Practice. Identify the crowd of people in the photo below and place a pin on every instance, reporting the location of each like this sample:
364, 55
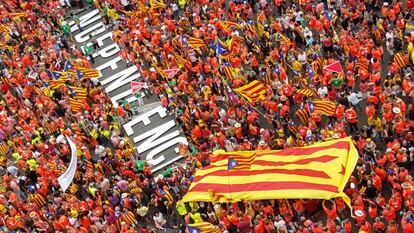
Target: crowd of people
114, 189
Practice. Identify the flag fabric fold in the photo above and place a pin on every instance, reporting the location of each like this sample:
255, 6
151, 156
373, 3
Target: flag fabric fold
320, 171
309, 92
254, 91
156, 4
303, 116
228, 24
195, 42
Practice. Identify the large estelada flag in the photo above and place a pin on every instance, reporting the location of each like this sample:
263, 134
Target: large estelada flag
254, 91
320, 171
202, 227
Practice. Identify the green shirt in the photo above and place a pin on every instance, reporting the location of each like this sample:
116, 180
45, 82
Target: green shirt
66, 28
138, 94
76, 19
140, 165
168, 172
87, 50
336, 82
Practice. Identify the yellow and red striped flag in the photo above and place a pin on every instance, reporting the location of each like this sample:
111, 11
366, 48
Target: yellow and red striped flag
4, 149
4, 28
157, 4
254, 91
251, 28
320, 171
87, 72
362, 63
75, 104
195, 42
309, 92
323, 106
303, 116
399, 59
203, 227
79, 92
181, 61
283, 38
228, 72
17, 14
228, 24
218, 198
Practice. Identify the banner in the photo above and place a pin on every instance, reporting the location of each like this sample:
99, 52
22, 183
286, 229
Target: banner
320, 171
66, 178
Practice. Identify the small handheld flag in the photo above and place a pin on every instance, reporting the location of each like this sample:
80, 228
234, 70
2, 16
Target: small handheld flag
193, 229
79, 74
68, 66
334, 67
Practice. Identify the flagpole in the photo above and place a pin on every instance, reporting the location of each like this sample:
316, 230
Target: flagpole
225, 83
217, 51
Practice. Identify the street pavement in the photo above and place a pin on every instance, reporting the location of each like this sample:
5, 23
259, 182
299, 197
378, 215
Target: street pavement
155, 134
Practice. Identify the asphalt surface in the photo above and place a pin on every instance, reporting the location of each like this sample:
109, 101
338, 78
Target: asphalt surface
162, 138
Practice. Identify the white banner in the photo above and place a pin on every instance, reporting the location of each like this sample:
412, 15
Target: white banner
66, 178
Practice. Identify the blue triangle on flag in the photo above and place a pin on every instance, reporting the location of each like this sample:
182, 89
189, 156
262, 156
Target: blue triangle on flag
232, 163
79, 74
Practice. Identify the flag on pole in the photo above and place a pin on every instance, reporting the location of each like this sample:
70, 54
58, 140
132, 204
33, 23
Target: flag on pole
195, 42
79, 74
228, 71
170, 73
228, 24
202, 227
320, 171
181, 62
328, 15
75, 104
220, 48
87, 72
399, 59
251, 27
183, 40
253, 92
58, 75
156, 4
309, 92
4, 28
137, 86
303, 116
235, 40
78, 92
323, 106
68, 66
361, 63
282, 38
334, 67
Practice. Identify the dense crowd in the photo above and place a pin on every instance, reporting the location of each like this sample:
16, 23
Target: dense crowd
114, 189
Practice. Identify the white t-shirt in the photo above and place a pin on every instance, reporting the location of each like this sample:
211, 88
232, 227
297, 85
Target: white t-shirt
323, 91
280, 225
302, 58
